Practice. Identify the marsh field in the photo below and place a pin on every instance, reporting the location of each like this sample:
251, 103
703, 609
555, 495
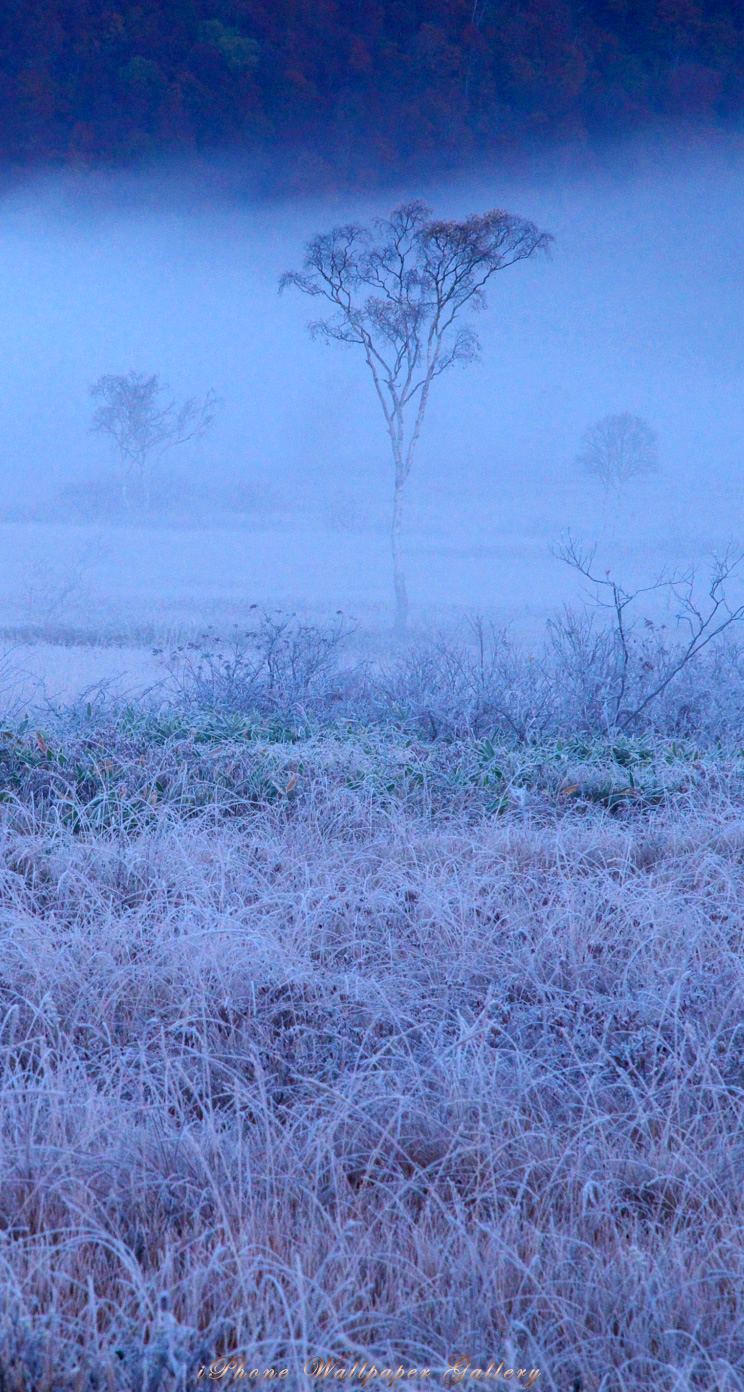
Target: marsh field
371, 1003
372, 995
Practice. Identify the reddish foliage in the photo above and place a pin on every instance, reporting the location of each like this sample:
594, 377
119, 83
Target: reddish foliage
354, 83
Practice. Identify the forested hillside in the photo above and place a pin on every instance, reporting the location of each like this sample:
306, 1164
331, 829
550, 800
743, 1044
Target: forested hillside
355, 84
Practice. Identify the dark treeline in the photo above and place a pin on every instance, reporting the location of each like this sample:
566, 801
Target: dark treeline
358, 85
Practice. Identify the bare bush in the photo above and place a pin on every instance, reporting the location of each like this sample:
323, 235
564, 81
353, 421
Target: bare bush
619, 448
279, 664
607, 666
634, 674
602, 669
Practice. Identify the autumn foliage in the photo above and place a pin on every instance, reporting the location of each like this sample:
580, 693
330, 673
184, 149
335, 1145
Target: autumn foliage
355, 85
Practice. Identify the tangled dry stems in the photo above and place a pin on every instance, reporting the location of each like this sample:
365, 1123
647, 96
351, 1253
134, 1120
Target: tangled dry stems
594, 675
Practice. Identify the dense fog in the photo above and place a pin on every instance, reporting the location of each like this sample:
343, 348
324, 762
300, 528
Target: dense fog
286, 500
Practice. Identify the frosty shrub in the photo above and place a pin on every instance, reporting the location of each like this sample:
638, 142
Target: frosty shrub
278, 665
601, 669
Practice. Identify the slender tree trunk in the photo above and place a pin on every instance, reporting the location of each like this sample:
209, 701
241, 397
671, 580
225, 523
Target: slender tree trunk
399, 579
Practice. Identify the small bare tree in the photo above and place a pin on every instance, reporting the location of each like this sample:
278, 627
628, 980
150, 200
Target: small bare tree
144, 422
54, 589
398, 290
619, 448
637, 672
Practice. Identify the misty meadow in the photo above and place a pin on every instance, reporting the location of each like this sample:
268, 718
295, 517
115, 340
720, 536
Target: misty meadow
372, 696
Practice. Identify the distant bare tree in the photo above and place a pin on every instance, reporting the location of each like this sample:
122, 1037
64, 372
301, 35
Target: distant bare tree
397, 290
619, 448
144, 421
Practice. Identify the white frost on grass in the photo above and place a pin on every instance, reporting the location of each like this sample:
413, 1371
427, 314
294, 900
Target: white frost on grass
340, 1070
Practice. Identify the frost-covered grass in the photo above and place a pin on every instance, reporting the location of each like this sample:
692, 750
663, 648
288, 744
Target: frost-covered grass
331, 1037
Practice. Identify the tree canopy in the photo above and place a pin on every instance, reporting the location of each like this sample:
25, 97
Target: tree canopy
354, 86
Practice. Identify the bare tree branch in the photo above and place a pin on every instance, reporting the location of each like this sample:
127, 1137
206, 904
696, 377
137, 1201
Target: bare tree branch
631, 690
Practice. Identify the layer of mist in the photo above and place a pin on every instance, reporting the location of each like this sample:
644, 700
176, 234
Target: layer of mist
286, 499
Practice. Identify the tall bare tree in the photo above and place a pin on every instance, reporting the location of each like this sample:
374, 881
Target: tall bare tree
398, 289
143, 421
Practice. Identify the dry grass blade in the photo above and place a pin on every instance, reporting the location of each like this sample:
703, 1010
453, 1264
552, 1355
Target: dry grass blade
340, 1041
